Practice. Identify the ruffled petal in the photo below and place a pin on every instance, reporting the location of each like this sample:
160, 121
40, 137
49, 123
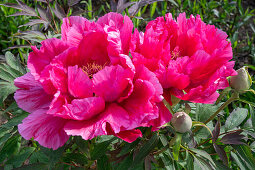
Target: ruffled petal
47, 130
73, 28
111, 82
123, 24
85, 109
79, 84
31, 96
114, 117
39, 59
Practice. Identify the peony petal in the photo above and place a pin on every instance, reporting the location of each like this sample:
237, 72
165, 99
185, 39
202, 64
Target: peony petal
39, 59
58, 77
79, 84
46, 129
73, 28
111, 82
31, 96
144, 74
129, 135
91, 50
85, 109
123, 24
115, 116
164, 117
139, 106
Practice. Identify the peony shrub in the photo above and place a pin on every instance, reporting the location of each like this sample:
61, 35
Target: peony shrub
85, 84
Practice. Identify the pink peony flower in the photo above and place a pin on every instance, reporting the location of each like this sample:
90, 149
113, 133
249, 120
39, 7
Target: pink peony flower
85, 84
190, 58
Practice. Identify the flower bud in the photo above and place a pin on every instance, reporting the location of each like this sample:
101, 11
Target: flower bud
241, 81
181, 122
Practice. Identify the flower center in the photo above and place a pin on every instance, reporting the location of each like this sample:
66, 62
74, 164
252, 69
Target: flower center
175, 53
92, 68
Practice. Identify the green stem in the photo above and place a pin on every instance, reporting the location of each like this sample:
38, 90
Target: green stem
230, 100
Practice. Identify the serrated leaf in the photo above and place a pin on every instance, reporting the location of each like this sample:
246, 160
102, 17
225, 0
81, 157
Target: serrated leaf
38, 156
53, 155
10, 148
21, 157
100, 149
236, 118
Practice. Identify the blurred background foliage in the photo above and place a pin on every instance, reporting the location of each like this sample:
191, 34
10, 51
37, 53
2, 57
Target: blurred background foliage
28, 22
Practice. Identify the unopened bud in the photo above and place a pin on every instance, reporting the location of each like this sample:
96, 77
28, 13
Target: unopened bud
181, 122
241, 81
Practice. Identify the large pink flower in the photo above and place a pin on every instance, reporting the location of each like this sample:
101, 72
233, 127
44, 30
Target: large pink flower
85, 84
190, 58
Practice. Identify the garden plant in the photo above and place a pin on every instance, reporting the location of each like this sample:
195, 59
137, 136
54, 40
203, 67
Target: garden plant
118, 84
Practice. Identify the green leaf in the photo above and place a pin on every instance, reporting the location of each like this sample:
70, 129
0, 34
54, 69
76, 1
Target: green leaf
203, 154
38, 156
5, 75
37, 166
245, 152
204, 111
10, 148
239, 161
75, 157
145, 150
153, 9
125, 164
100, 149
5, 138
252, 113
21, 157
103, 163
128, 147
15, 120
6, 88
82, 144
167, 161
53, 155
236, 118
177, 144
